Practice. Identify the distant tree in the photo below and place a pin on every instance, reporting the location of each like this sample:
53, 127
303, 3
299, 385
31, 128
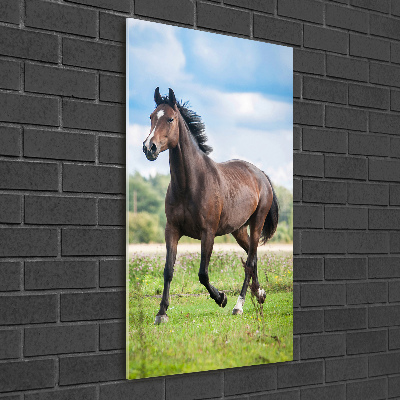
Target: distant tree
144, 228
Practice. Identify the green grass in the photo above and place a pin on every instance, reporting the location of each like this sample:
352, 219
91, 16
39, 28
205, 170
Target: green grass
200, 335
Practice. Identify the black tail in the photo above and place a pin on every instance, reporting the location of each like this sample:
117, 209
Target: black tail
271, 222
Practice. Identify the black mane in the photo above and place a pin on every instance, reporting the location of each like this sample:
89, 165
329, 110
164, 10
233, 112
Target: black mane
194, 123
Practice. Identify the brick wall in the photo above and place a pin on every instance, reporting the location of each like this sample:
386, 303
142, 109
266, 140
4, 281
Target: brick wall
62, 183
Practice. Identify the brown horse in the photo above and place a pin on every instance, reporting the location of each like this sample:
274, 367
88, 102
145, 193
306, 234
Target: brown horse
207, 199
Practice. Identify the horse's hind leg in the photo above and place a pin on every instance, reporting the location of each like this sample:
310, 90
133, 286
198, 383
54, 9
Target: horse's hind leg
207, 242
172, 237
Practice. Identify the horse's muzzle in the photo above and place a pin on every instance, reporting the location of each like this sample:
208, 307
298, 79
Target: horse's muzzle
152, 153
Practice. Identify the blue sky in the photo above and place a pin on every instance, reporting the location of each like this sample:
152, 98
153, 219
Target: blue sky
242, 89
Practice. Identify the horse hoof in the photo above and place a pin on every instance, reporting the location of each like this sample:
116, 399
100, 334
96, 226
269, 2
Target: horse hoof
161, 319
224, 300
237, 311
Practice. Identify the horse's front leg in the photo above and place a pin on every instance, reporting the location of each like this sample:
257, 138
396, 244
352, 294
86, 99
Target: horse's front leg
207, 242
172, 237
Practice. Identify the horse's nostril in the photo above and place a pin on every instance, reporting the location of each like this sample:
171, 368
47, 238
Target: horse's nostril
153, 148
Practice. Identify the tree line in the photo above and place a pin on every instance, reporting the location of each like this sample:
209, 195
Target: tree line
147, 218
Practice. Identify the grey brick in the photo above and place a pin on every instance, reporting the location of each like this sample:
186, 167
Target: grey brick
305, 216
346, 167
28, 309
308, 164
27, 44
326, 294
385, 74
395, 100
395, 195
90, 178
10, 273
60, 210
297, 189
60, 18
60, 81
112, 212
371, 389
10, 344
117, 5
384, 170
384, 218
59, 145
340, 369
10, 209
92, 306
112, 336
9, 74
321, 242
395, 147
308, 61
368, 193
394, 291
337, 392
395, 7
384, 123
296, 295
346, 18
346, 118
331, 141
338, 319
394, 52
144, 389
112, 88
324, 90
366, 342
27, 375
394, 338
112, 273
296, 241
280, 395
53, 274
308, 321
26, 109
367, 292
367, 242
10, 141
96, 368
100, 117
347, 68
324, 191
297, 86
87, 54
9, 11
308, 10
345, 268
85, 393
383, 364
385, 315
369, 96
27, 242
384, 267
112, 150
277, 30
369, 145
346, 218
307, 113
296, 138
395, 242
325, 39
393, 386
60, 340
308, 269
384, 26
90, 242
377, 5
299, 374
170, 10
267, 6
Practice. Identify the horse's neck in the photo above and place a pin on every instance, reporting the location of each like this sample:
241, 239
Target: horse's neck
185, 161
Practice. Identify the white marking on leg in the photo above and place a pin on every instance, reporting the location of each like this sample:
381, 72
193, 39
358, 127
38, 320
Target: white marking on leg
238, 309
160, 114
261, 292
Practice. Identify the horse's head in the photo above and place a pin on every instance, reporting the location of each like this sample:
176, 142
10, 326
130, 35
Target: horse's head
164, 132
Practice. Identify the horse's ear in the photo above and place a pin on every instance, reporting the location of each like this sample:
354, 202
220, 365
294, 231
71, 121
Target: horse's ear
171, 97
157, 97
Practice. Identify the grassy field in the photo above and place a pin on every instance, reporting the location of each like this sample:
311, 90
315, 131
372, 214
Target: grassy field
200, 335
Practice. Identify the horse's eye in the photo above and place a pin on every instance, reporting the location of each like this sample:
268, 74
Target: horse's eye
170, 120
